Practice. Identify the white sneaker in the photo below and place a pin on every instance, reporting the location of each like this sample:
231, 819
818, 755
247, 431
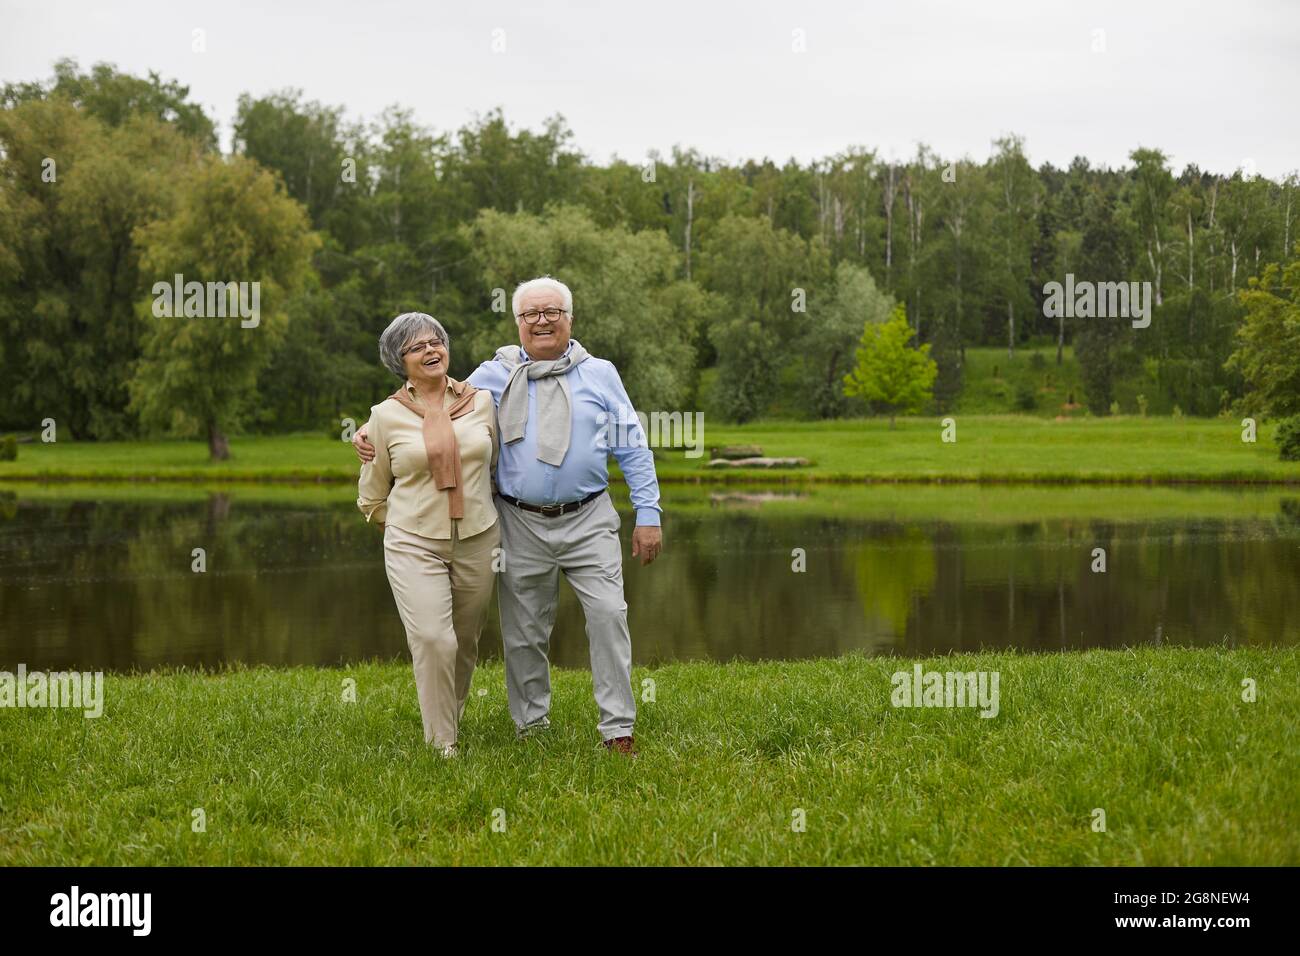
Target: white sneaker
448, 750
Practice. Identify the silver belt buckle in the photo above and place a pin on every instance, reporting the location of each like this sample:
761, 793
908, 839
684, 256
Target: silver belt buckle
552, 511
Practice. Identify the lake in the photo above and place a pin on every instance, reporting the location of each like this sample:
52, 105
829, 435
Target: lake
100, 576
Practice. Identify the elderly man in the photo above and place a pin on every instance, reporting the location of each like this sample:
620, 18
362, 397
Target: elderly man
558, 406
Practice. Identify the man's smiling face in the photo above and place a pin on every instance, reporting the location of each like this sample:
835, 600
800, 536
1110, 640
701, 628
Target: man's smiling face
548, 338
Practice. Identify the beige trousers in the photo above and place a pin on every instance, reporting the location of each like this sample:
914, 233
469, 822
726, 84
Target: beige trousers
442, 587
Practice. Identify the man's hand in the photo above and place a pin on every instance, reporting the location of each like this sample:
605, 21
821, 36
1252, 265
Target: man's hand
647, 541
361, 442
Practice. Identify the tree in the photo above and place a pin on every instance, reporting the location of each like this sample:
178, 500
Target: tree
69, 270
1017, 192
921, 183
326, 367
961, 254
835, 326
849, 208
1247, 225
721, 253
114, 98
962, 204
489, 167
1100, 339
1268, 352
1068, 252
758, 271
1152, 187
232, 223
888, 371
304, 142
627, 306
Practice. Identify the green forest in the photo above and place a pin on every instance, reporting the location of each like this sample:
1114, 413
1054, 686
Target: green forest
739, 289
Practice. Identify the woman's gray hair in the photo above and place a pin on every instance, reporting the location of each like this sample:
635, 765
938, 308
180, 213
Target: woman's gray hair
401, 332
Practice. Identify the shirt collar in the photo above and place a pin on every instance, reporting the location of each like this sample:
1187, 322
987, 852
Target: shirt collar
528, 358
457, 389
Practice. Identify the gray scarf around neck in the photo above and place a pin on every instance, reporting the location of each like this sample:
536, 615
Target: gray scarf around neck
554, 401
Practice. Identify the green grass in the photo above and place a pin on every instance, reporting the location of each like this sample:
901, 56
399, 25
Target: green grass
253, 457
288, 773
988, 448
992, 383
1002, 448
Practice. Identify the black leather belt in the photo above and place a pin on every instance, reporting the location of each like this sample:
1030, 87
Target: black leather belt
552, 511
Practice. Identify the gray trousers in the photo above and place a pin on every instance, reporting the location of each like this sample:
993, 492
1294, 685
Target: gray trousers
585, 546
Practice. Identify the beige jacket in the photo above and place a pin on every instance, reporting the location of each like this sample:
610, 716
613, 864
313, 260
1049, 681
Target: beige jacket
396, 488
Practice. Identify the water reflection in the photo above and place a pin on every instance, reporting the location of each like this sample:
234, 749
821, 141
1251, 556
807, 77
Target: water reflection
102, 578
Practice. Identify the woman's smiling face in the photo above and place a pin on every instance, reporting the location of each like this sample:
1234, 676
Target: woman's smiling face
425, 359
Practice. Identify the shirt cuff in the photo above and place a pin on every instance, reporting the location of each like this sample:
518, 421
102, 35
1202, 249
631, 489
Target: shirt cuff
647, 516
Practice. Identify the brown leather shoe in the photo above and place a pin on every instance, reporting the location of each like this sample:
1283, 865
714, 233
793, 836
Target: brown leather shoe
623, 745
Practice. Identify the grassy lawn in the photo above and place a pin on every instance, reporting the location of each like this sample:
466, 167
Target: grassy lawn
992, 384
288, 773
284, 457
988, 447
1005, 447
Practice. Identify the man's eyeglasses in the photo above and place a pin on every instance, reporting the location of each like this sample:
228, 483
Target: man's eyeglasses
423, 346
533, 315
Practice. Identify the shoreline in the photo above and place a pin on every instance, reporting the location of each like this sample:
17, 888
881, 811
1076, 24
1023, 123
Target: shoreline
987, 450
758, 478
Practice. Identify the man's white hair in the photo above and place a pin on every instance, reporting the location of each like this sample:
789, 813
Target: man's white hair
543, 282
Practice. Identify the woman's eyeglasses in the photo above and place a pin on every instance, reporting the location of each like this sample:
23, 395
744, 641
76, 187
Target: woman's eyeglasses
421, 347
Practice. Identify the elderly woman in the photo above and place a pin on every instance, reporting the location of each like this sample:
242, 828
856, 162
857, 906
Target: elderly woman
430, 489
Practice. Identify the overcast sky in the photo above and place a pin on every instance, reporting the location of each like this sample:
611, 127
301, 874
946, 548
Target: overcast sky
1213, 83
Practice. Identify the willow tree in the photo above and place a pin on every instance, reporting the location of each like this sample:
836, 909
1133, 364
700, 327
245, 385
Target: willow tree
232, 224
74, 193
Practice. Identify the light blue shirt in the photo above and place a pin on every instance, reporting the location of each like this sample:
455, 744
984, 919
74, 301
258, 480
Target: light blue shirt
604, 423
